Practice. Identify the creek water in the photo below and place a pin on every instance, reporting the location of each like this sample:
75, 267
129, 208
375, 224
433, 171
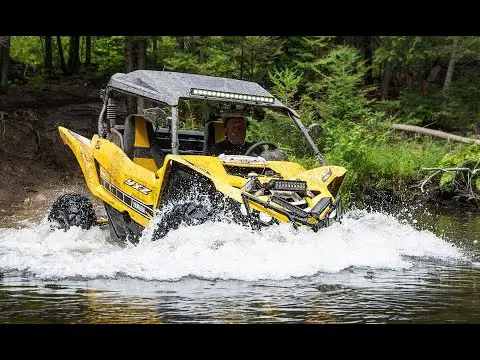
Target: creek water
416, 267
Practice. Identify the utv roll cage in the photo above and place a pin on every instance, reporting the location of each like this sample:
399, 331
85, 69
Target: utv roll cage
168, 88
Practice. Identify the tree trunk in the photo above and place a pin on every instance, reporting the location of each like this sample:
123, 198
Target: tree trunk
154, 49
437, 133
242, 60
451, 65
252, 64
365, 45
142, 54
433, 74
77, 64
71, 46
130, 65
141, 65
73, 54
181, 43
4, 61
367, 49
48, 56
61, 56
43, 47
386, 77
129, 54
88, 50
81, 48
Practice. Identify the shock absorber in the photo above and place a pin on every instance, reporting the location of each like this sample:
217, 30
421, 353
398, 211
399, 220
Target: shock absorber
111, 115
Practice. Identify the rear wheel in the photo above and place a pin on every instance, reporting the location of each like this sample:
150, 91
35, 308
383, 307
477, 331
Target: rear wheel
72, 210
190, 213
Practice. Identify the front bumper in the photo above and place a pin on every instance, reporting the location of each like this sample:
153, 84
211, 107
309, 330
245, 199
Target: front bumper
294, 214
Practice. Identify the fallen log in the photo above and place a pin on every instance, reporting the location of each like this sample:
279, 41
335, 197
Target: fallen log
437, 133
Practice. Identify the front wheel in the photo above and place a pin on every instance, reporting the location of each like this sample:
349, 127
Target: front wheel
189, 213
72, 210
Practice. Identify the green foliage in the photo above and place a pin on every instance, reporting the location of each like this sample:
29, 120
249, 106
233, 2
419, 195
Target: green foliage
192, 115
463, 156
201, 55
324, 82
354, 135
397, 165
109, 53
37, 81
347, 144
382, 163
418, 109
350, 123
285, 85
454, 113
257, 56
308, 56
27, 50
467, 49
463, 102
247, 57
404, 50
446, 181
338, 92
423, 102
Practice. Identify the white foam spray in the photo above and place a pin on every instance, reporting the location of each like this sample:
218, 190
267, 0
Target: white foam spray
223, 250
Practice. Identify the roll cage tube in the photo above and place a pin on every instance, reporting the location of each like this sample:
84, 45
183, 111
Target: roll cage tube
101, 123
174, 122
296, 119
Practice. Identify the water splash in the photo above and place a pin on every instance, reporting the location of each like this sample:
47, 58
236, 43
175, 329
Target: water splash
223, 250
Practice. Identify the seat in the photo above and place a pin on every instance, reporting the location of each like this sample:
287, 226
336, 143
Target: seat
214, 132
139, 144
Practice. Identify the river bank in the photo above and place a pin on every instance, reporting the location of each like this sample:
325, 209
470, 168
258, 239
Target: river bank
35, 165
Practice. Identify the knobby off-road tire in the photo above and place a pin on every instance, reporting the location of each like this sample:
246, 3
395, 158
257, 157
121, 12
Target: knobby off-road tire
190, 213
72, 210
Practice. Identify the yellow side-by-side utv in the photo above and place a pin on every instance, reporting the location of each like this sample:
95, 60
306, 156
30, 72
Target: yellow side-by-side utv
144, 161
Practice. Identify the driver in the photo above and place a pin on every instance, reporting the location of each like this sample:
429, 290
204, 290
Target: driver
234, 143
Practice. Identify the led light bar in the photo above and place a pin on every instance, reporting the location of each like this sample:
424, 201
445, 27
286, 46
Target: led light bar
289, 185
233, 96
